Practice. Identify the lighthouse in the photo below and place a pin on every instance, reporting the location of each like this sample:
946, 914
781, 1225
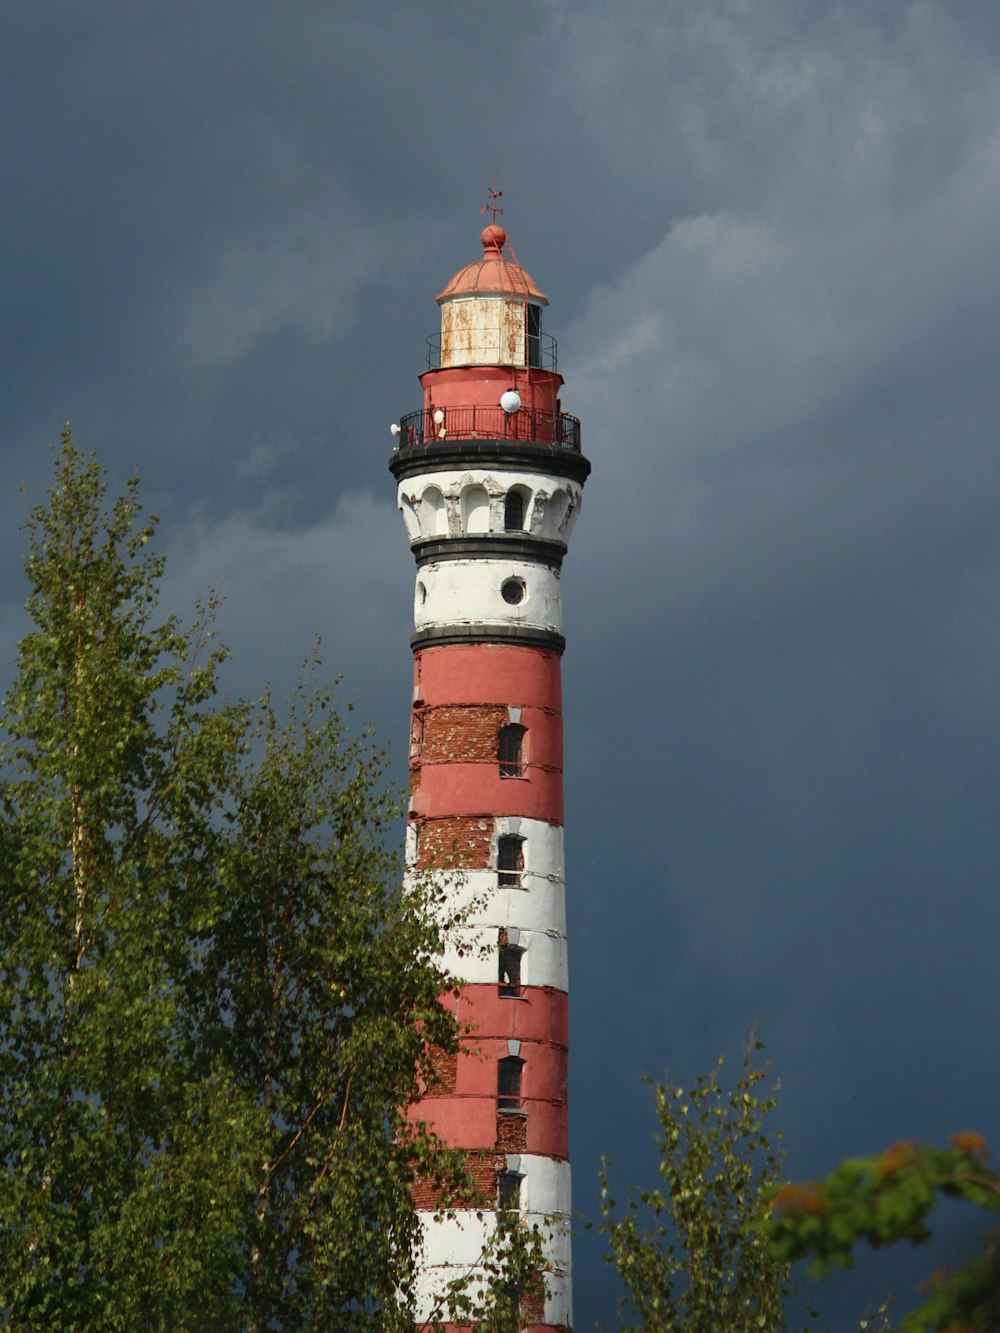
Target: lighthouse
490, 476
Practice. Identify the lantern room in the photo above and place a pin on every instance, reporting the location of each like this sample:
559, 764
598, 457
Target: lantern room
491, 312
491, 369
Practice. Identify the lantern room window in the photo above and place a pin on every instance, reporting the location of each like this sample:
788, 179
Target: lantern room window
534, 335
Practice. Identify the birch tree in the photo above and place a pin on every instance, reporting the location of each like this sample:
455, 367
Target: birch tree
216, 997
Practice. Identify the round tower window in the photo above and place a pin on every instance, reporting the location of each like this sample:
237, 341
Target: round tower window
512, 591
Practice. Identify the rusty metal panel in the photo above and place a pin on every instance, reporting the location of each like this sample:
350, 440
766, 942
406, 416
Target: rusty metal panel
483, 331
513, 333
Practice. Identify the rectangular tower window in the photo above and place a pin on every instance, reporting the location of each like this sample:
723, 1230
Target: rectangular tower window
510, 862
509, 1084
509, 976
510, 750
508, 1191
416, 732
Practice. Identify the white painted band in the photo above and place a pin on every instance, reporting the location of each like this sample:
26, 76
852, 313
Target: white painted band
542, 849
463, 591
471, 957
454, 1245
539, 906
432, 1281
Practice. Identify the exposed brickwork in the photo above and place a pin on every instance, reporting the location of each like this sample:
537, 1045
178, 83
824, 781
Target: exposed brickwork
483, 1169
512, 1133
533, 1298
462, 733
462, 842
444, 1065
425, 1194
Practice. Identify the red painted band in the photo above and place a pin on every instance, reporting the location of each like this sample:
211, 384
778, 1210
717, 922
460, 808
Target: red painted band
471, 1123
477, 789
484, 673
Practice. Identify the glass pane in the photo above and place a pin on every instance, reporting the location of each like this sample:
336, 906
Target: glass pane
510, 751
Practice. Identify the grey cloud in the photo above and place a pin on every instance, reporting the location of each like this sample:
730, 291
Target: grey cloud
789, 554
342, 578
308, 281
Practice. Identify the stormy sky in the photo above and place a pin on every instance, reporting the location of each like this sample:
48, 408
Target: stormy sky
769, 231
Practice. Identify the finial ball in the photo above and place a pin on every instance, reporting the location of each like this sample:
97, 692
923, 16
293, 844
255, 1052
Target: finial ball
494, 237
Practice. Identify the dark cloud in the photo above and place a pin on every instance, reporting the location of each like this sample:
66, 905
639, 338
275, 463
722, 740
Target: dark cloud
768, 234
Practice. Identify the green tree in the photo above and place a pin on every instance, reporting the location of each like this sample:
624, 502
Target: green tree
692, 1252
217, 997
889, 1198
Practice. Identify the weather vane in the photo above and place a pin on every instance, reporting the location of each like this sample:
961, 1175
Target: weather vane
493, 194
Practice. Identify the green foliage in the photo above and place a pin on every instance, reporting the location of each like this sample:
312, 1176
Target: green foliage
888, 1198
692, 1253
217, 998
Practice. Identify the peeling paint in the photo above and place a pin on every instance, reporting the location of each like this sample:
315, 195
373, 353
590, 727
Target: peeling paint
483, 331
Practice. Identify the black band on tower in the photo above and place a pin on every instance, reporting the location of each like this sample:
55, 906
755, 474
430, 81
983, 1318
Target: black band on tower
522, 456
527, 636
491, 546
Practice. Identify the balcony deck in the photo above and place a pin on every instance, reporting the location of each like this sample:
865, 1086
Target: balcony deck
527, 425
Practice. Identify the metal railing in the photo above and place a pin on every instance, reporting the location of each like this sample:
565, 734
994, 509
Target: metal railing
491, 348
489, 423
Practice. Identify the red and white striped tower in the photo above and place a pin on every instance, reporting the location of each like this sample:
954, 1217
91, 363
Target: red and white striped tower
490, 476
